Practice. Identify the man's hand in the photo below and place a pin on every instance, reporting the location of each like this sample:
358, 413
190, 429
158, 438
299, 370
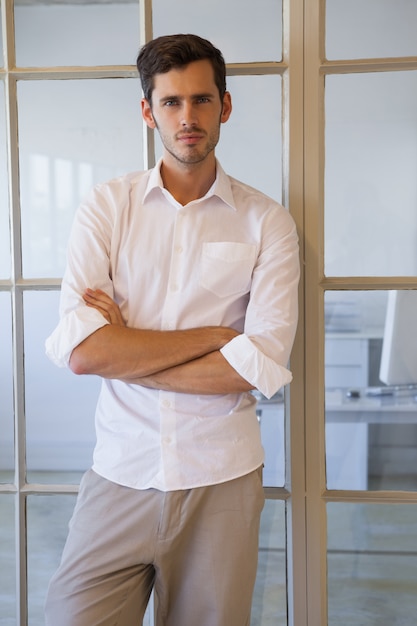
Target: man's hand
98, 299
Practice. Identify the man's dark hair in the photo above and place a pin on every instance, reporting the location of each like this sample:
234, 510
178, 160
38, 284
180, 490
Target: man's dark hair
165, 53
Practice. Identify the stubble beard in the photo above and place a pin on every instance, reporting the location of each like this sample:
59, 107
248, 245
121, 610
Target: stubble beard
190, 155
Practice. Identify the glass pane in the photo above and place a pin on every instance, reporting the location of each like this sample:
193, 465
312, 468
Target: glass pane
381, 28
271, 420
270, 597
7, 561
60, 407
244, 152
215, 21
47, 524
4, 197
370, 175
106, 33
6, 391
72, 135
371, 424
372, 565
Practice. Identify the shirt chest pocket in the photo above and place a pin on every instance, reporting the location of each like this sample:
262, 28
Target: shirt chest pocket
226, 267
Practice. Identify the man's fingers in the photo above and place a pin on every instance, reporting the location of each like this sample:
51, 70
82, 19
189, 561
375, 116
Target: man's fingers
98, 299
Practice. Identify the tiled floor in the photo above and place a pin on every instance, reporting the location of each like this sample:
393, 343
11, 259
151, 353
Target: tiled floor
372, 564
372, 561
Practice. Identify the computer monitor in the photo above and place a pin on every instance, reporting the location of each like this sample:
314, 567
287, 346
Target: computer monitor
399, 347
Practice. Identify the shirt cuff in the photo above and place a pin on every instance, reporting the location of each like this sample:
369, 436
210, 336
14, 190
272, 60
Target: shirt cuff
254, 366
72, 329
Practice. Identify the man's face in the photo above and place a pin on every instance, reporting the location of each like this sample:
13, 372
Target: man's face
187, 111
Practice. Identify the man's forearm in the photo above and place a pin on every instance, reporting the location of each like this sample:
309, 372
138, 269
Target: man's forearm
115, 351
210, 374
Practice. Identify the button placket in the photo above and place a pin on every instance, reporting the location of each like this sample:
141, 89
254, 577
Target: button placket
170, 310
168, 435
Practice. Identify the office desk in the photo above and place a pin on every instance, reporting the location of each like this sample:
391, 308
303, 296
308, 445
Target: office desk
347, 424
400, 408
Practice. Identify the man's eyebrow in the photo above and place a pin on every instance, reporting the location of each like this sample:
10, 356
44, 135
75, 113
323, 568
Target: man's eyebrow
167, 98
207, 94
194, 96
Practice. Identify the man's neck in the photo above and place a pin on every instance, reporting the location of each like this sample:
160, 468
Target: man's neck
188, 182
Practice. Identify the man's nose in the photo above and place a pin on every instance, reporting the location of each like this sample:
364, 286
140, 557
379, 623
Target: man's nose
189, 114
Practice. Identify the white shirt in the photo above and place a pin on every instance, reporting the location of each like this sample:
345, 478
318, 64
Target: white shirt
229, 259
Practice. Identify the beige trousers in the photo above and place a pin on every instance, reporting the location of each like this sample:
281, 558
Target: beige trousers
197, 548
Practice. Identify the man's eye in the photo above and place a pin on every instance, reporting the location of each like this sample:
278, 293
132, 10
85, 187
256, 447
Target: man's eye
203, 100
170, 103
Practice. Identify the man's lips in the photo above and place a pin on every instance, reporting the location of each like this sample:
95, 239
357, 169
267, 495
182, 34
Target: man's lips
190, 138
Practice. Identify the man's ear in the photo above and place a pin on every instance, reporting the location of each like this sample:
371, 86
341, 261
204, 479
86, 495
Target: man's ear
227, 107
147, 113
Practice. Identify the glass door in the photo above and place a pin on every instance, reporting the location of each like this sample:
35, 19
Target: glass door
361, 198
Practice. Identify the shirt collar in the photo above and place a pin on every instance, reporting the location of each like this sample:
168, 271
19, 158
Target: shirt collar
221, 187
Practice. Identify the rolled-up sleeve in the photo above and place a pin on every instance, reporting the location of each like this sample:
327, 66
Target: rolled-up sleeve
88, 265
72, 329
261, 354
255, 366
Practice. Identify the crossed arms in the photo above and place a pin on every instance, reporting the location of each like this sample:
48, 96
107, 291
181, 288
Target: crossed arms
185, 361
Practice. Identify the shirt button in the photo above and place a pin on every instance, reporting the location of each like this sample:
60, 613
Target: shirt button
166, 404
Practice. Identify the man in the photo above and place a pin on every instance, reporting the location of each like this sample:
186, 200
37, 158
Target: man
181, 293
